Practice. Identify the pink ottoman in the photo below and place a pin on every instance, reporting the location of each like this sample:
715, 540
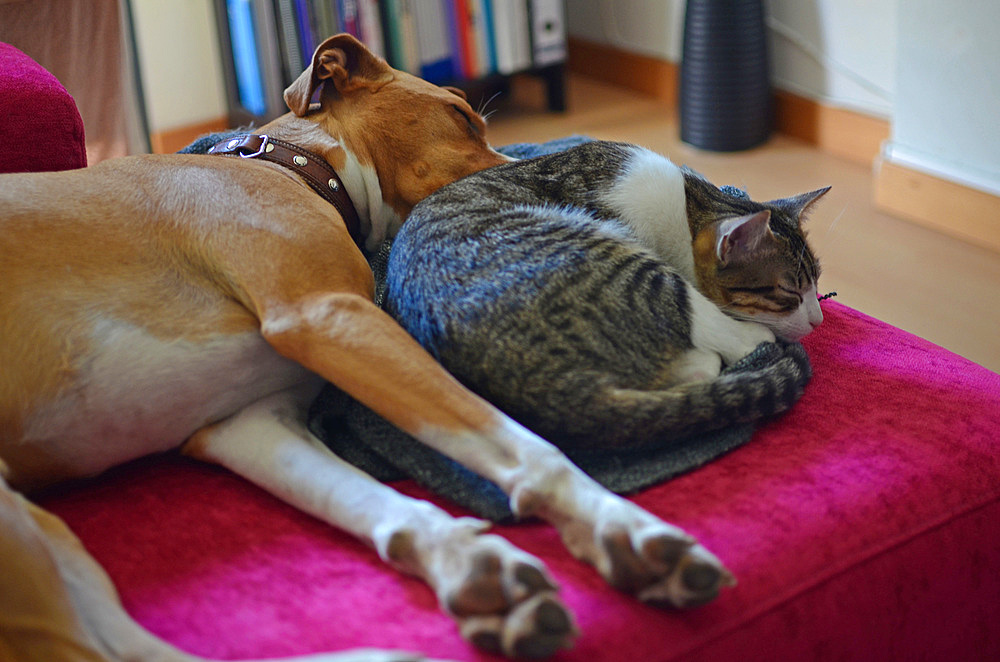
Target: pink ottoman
863, 525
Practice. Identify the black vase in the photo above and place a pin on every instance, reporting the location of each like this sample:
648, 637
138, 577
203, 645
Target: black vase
725, 87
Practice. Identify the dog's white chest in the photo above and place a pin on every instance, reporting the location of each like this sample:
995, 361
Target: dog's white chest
137, 394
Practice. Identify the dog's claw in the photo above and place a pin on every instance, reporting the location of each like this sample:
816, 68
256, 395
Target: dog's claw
535, 628
503, 599
698, 577
646, 557
370, 655
689, 577
495, 579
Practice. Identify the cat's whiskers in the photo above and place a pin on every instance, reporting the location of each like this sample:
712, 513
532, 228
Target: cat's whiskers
800, 266
829, 229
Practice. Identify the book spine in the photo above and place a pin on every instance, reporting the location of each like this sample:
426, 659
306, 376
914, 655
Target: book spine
502, 43
347, 11
371, 26
521, 30
288, 39
435, 45
410, 31
269, 56
246, 62
393, 34
465, 38
483, 25
325, 14
307, 30
548, 32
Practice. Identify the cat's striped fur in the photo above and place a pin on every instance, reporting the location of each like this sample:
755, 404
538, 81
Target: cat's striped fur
582, 293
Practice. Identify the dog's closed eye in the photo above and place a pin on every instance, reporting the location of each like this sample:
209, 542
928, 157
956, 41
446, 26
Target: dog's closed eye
474, 127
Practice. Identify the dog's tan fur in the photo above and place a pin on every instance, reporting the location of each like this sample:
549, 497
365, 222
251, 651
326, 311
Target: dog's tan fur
197, 302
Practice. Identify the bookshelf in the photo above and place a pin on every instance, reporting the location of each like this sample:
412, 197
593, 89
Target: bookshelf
476, 45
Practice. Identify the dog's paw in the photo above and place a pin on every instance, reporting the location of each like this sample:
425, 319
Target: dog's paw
535, 628
659, 563
503, 598
365, 655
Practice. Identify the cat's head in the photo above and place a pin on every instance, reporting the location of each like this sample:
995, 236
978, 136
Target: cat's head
752, 258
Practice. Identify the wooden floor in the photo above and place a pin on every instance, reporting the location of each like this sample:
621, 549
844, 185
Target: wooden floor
936, 287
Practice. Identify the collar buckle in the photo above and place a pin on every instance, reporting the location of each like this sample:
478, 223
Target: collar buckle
264, 140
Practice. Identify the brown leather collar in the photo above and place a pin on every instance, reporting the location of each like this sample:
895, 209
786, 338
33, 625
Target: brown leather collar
319, 174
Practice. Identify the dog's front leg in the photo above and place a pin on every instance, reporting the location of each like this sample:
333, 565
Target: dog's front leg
632, 549
502, 598
352, 343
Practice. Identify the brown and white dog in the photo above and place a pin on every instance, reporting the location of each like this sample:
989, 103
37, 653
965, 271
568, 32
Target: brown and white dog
197, 302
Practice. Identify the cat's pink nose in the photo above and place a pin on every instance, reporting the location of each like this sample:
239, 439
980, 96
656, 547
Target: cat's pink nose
815, 317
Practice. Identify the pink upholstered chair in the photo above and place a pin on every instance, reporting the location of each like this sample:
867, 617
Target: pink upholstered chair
40, 126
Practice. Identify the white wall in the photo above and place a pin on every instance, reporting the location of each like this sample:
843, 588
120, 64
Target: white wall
179, 62
946, 120
840, 52
648, 27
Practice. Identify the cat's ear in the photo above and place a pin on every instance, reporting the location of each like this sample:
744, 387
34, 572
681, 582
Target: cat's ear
741, 238
796, 205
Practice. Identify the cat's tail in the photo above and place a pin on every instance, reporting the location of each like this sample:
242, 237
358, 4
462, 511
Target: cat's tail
766, 382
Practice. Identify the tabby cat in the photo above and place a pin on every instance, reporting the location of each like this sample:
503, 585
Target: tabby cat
583, 293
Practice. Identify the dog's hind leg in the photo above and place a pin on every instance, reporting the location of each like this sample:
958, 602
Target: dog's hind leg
502, 597
58, 605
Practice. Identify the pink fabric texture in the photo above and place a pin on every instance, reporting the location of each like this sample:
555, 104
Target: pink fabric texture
41, 127
862, 525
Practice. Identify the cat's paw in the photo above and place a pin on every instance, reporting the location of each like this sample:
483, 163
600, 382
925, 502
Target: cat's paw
695, 365
747, 336
713, 330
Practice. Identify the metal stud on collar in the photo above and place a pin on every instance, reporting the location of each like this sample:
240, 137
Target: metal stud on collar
333, 185
300, 160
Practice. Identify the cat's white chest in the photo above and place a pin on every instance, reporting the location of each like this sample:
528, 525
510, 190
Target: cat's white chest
649, 196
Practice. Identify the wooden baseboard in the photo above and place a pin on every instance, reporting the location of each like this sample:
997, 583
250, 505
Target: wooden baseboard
648, 75
846, 133
167, 142
945, 206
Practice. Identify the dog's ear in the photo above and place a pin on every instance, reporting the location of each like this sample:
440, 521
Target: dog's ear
343, 60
